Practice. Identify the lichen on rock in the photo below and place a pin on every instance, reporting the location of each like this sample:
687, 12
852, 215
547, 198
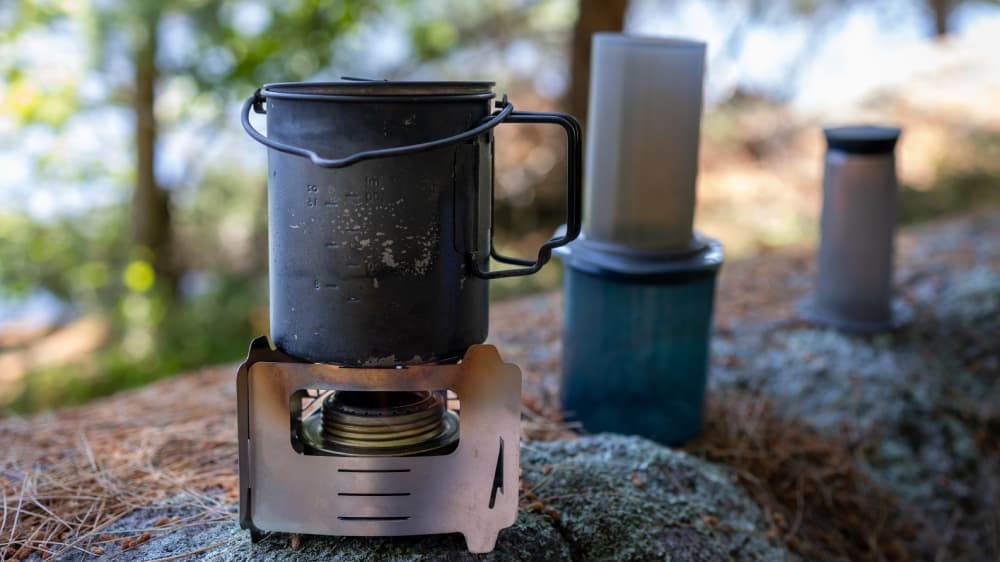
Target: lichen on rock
611, 497
627, 498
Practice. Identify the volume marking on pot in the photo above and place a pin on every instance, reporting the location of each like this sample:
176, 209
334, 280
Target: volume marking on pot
317, 284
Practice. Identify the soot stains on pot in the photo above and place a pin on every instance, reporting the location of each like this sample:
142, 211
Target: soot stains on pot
382, 236
391, 360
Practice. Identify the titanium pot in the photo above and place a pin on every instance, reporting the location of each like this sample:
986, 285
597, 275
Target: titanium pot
380, 198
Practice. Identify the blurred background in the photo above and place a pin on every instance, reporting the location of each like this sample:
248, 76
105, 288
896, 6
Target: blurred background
132, 223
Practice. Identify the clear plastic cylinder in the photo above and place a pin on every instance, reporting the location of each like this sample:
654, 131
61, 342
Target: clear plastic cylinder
642, 141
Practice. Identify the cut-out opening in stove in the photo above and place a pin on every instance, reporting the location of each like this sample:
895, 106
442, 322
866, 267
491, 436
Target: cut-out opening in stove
354, 423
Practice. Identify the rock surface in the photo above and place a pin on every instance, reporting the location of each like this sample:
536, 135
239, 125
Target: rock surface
917, 412
610, 497
922, 401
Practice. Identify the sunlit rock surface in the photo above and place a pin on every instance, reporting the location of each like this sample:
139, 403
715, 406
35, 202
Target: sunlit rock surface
609, 497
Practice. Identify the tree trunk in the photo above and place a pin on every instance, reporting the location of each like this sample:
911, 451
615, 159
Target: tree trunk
151, 225
941, 9
595, 16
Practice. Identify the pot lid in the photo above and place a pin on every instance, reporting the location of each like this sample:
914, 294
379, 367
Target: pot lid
365, 87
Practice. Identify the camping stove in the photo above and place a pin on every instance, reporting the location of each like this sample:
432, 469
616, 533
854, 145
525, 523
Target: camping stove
331, 450
378, 410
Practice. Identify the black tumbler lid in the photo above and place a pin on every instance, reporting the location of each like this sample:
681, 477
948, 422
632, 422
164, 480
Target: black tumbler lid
865, 139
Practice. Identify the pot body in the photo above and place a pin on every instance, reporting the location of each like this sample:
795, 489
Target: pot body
368, 261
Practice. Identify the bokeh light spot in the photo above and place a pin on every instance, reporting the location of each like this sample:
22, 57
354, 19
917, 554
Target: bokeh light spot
139, 276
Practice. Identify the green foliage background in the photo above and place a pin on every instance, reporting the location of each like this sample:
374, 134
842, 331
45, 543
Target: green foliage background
201, 304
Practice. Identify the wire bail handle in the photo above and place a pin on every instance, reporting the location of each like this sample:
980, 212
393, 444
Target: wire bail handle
256, 102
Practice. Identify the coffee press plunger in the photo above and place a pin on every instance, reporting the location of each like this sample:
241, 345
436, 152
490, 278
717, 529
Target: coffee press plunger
640, 282
380, 199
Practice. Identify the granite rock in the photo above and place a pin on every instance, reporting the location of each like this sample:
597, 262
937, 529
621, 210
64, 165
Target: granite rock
610, 497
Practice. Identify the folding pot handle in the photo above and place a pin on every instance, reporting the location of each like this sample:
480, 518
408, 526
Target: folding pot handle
574, 189
256, 102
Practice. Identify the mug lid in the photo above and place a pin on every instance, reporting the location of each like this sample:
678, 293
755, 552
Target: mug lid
863, 139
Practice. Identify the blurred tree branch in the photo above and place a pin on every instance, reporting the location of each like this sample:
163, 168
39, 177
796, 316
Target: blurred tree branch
151, 224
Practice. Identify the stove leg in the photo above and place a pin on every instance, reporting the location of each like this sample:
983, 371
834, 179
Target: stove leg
481, 542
